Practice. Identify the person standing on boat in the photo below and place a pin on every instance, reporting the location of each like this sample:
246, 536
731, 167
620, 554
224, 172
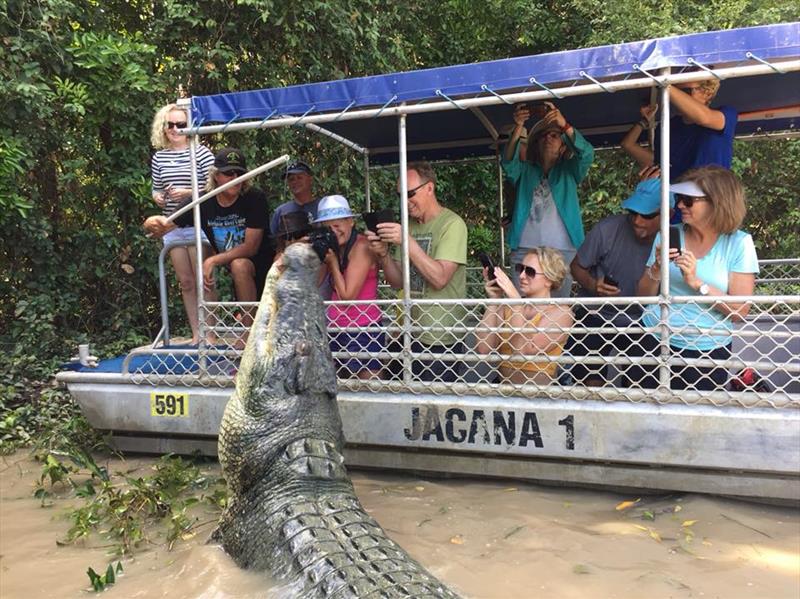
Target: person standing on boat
546, 211
610, 263
715, 258
234, 221
541, 271
354, 275
171, 171
437, 250
699, 135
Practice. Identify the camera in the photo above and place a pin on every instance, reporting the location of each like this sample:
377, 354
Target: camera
323, 239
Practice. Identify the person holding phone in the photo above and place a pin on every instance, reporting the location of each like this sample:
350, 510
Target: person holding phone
555, 161
715, 259
610, 263
541, 271
354, 275
171, 170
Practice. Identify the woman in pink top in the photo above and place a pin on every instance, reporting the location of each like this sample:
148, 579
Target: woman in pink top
354, 277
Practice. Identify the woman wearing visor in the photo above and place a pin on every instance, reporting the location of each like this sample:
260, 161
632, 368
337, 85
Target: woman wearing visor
714, 258
541, 271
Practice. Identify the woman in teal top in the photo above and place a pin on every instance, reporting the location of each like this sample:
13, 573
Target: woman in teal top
715, 259
546, 175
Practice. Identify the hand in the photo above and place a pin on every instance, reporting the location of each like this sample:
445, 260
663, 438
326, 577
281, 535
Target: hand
649, 172
160, 199
331, 260
605, 289
687, 262
390, 233
505, 283
554, 115
209, 264
649, 112
158, 225
521, 114
656, 267
180, 193
376, 246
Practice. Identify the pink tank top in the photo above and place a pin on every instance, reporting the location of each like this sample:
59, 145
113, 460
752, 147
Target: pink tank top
362, 314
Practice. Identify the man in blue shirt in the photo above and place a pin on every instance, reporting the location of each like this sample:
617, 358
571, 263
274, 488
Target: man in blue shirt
699, 135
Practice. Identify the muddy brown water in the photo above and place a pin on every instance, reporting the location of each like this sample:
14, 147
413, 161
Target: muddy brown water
485, 539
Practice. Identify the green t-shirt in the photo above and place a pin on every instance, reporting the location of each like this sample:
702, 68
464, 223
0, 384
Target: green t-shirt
443, 238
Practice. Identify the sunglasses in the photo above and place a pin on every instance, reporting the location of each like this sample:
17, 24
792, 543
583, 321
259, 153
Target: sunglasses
529, 271
650, 216
413, 192
178, 125
689, 201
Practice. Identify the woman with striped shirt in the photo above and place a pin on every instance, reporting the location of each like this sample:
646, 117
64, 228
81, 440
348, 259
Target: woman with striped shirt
172, 188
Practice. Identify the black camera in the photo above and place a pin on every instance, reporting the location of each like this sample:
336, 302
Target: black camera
323, 239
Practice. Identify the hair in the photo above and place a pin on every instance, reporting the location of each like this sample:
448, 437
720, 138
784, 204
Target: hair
211, 183
553, 265
158, 136
534, 156
710, 87
424, 170
725, 193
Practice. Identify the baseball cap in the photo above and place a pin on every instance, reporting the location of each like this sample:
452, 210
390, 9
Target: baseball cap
298, 166
646, 198
230, 161
687, 188
293, 225
333, 207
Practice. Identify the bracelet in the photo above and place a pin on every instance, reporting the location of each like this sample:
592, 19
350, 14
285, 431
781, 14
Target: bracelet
650, 274
566, 128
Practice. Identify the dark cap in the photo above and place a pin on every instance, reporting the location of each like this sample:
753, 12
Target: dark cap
298, 166
230, 161
293, 225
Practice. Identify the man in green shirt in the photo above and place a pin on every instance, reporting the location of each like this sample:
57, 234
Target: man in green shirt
437, 249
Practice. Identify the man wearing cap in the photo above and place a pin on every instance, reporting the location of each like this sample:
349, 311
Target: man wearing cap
610, 263
299, 179
234, 222
438, 253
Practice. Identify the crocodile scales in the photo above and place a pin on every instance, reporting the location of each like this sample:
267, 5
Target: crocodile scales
292, 510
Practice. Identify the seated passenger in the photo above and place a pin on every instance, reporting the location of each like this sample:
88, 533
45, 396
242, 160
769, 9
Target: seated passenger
541, 271
610, 263
699, 135
234, 221
354, 274
546, 210
715, 258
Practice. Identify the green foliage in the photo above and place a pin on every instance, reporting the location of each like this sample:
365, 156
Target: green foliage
98, 582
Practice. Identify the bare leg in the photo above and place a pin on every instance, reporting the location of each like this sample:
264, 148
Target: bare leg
184, 263
243, 273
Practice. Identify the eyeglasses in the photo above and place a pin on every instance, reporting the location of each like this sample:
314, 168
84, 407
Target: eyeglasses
650, 216
413, 192
529, 271
178, 125
689, 201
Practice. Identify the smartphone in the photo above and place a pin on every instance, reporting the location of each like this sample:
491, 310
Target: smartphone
487, 262
609, 280
675, 239
539, 110
373, 219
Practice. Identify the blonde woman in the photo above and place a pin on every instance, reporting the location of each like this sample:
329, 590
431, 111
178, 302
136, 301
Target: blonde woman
541, 271
172, 187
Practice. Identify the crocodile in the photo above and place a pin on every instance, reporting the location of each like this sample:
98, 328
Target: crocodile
292, 511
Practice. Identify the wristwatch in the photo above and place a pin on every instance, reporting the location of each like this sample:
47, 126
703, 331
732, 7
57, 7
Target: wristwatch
703, 289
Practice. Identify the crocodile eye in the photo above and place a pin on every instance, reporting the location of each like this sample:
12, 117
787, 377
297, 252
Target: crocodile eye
302, 348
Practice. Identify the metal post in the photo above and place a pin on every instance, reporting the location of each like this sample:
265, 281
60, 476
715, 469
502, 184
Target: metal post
367, 196
162, 289
501, 198
664, 369
401, 134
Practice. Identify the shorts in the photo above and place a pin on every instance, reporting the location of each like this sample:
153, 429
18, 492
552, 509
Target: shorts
182, 236
358, 342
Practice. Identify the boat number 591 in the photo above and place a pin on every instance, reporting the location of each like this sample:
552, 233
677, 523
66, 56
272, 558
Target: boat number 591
169, 404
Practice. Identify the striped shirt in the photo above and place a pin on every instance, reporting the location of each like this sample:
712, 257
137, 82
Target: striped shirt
174, 167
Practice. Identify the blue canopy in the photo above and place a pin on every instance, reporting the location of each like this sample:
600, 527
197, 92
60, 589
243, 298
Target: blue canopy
601, 117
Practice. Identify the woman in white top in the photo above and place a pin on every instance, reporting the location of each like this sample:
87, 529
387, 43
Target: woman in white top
172, 188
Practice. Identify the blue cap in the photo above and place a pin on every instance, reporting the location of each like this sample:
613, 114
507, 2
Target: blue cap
646, 198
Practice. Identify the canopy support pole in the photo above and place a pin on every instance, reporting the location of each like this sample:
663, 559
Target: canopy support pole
401, 136
664, 295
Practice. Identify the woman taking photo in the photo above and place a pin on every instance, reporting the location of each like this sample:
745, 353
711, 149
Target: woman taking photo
541, 271
354, 277
715, 258
546, 211
171, 170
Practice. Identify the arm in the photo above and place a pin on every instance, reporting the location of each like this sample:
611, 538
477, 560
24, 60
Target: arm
588, 282
488, 341
696, 112
158, 186
532, 343
521, 114
246, 249
739, 283
630, 143
583, 153
158, 225
349, 285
